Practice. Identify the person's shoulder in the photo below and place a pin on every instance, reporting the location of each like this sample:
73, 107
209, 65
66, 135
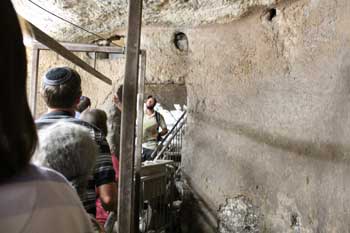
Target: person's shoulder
57, 197
42, 121
86, 124
48, 119
160, 116
96, 132
54, 186
46, 174
157, 115
48, 182
36, 197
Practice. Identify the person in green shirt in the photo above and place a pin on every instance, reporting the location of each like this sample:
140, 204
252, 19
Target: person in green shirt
152, 121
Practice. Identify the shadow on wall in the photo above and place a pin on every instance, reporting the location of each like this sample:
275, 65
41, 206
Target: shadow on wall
197, 215
321, 151
317, 150
203, 216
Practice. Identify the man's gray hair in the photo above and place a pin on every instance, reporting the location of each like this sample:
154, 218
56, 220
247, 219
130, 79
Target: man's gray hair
69, 149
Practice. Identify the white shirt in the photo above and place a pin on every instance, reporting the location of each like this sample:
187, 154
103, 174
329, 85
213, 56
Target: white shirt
41, 200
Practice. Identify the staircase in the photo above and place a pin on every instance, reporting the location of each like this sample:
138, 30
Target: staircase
171, 145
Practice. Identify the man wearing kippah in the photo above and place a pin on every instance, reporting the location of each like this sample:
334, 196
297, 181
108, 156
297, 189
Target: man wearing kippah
61, 90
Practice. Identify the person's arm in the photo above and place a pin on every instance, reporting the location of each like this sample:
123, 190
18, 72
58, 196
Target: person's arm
163, 132
104, 177
163, 126
117, 102
109, 196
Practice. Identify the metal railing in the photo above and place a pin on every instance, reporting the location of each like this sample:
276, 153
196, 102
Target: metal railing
157, 183
156, 197
171, 145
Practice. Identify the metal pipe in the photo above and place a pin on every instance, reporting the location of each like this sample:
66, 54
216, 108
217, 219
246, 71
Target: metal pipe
169, 141
168, 134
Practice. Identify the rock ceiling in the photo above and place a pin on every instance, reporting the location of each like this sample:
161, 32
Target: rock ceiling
105, 17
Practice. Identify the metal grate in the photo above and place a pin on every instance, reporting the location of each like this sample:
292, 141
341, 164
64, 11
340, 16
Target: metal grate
157, 189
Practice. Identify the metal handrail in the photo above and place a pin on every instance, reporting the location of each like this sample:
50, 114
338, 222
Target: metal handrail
169, 141
167, 135
171, 131
172, 134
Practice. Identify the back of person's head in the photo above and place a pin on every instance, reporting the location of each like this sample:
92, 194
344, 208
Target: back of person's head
17, 131
61, 87
83, 104
69, 149
96, 117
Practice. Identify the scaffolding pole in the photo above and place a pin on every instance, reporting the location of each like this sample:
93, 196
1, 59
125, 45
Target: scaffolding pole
126, 221
34, 80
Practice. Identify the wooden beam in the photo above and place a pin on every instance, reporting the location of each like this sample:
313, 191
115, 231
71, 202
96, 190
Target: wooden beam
58, 48
77, 47
34, 80
126, 223
140, 104
139, 132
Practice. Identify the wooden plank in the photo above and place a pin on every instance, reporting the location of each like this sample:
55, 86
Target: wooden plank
34, 80
140, 110
126, 223
77, 47
139, 132
58, 48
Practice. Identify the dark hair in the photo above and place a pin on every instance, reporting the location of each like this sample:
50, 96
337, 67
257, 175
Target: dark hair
120, 93
83, 104
62, 95
96, 117
151, 96
17, 130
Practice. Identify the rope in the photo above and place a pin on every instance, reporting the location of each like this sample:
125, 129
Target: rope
71, 23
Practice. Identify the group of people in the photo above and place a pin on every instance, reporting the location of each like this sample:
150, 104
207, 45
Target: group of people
68, 133
57, 174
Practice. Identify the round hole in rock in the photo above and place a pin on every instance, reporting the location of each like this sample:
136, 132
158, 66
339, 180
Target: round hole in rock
270, 14
294, 219
181, 41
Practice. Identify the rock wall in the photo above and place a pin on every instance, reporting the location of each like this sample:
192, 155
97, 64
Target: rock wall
269, 119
